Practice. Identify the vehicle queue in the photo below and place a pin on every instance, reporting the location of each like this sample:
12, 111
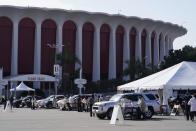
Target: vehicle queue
133, 105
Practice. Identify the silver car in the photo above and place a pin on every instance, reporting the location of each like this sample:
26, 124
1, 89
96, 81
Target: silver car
105, 108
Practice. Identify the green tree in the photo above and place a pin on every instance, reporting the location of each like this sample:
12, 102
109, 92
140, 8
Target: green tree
65, 60
136, 68
187, 53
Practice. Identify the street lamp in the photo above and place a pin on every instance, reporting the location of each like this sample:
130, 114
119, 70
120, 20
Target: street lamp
55, 46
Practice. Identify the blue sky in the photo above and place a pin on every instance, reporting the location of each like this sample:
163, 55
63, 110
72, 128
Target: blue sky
181, 12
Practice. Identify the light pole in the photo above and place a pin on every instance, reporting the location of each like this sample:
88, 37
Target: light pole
55, 46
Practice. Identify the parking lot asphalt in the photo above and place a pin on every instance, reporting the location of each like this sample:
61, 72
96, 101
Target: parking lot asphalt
25, 119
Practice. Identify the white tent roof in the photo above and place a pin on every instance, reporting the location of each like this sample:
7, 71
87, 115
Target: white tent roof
180, 76
22, 87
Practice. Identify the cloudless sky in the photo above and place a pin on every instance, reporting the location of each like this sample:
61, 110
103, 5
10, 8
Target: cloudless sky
181, 12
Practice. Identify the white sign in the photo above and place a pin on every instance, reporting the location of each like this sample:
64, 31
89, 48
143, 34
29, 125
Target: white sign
31, 77
80, 81
3, 82
117, 114
34, 78
56, 69
80, 86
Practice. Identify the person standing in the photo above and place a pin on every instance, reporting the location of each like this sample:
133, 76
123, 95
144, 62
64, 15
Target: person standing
11, 101
79, 103
187, 107
33, 100
142, 107
91, 101
192, 103
4, 102
71, 101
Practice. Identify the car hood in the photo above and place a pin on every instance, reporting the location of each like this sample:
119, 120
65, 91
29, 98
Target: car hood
105, 102
61, 101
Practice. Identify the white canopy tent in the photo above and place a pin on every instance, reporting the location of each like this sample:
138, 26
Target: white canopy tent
22, 87
178, 77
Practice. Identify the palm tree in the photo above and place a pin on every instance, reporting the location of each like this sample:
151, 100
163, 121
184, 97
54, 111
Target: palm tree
66, 60
134, 68
137, 69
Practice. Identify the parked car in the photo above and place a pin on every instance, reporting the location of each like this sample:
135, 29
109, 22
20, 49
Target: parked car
27, 101
62, 103
48, 102
17, 103
105, 108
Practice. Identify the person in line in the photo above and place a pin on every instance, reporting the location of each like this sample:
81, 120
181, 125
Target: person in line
100, 98
33, 100
79, 104
4, 101
71, 101
192, 103
11, 101
187, 107
142, 107
83, 102
91, 101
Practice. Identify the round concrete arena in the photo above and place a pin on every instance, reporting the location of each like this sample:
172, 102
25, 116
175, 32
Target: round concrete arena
101, 41
25, 119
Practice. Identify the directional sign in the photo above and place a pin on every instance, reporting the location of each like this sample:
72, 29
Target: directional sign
80, 81
80, 86
3, 82
56, 69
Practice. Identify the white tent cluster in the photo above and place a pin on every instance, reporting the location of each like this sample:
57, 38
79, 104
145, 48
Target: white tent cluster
178, 77
22, 87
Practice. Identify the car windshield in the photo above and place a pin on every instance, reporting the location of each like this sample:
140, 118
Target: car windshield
115, 97
151, 96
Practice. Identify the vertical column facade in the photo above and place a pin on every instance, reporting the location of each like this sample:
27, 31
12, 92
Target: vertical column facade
37, 54
148, 49
112, 53
59, 39
138, 46
126, 49
79, 44
162, 48
14, 62
96, 54
156, 50
166, 46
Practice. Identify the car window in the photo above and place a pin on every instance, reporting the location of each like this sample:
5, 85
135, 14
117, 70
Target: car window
150, 96
131, 97
60, 97
115, 97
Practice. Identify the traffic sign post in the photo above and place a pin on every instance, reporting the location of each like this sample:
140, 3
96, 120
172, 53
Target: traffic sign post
80, 82
56, 70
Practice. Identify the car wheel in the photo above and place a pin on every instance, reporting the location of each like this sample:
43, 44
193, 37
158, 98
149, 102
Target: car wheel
101, 116
63, 108
109, 113
149, 114
127, 113
17, 106
49, 106
22, 105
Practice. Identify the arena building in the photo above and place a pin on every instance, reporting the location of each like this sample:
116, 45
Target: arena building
101, 41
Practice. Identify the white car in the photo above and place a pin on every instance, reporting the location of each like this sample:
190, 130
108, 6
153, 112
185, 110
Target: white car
105, 108
48, 102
